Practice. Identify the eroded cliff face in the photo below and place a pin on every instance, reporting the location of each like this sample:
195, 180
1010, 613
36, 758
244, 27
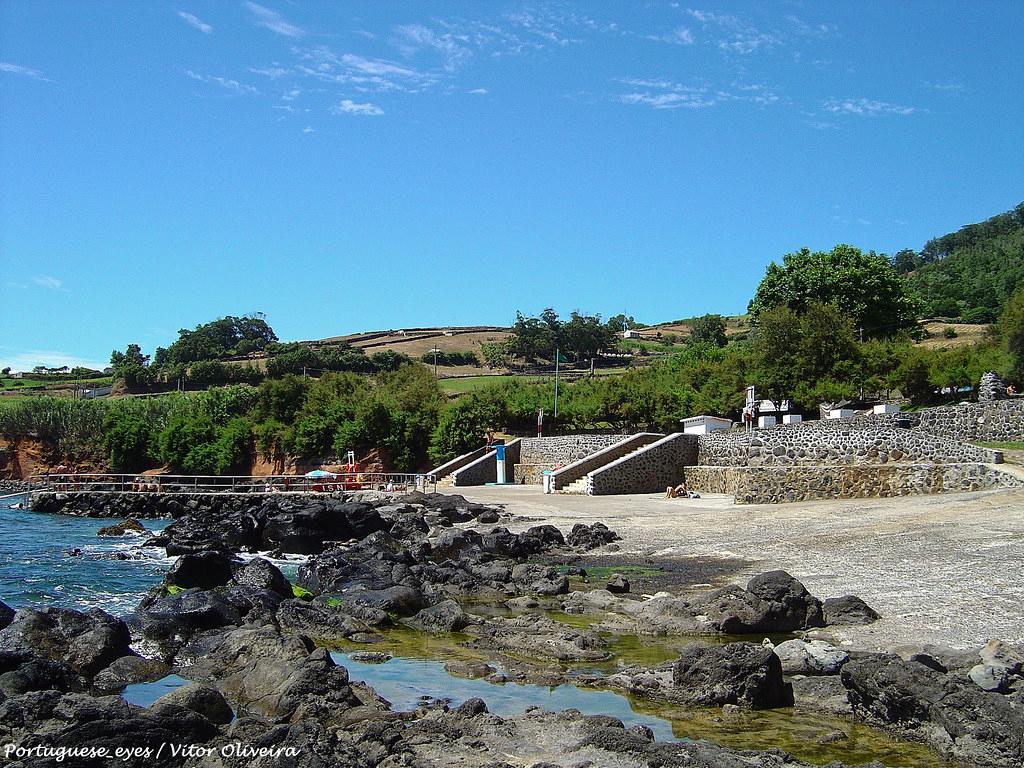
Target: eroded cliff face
20, 459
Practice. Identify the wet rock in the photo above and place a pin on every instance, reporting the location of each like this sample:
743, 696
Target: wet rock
539, 579
949, 712
125, 527
587, 537
539, 636
816, 657
451, 543
322, 623
306, 530
288, 691
201, 699
177, 617
821, 695
6, 614
446, 616
744, 674
128, 670
488, 516
370, 657
847, 610
84, 642
261, 574
522, 603
1000, 664
618, 584
204, 570
791, 603
22, 673
469, 669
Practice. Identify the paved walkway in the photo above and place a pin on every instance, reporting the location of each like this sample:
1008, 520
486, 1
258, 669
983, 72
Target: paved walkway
943, 569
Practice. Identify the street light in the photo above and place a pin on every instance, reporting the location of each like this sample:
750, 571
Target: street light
435, 350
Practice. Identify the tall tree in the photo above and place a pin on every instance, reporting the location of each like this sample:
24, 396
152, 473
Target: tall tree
863, 286
708, 329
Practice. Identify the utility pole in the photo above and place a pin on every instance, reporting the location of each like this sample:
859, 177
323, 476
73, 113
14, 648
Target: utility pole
557, 355
435, 350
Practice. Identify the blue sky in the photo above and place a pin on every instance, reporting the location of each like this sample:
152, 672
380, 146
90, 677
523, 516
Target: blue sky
347, 166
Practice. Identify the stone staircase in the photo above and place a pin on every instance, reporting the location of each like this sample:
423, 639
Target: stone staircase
581, 486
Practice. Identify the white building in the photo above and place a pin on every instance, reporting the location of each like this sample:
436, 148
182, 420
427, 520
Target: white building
702, 425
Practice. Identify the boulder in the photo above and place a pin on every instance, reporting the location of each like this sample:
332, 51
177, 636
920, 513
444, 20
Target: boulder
307, 529
744, 674
472, 670
790, 602
84, 642
1000, 665
204, 570
539, 538
539, 579
446, 616
816, 657
263, 575
128, 670
586, 537
6, 614
201, 699
125, 527
618, 584
847, 610
180, 615
538, 637
321, 622
21, 673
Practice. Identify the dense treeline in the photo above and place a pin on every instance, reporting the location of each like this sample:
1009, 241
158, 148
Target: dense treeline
971, 273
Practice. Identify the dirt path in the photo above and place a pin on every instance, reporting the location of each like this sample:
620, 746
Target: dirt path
941, 569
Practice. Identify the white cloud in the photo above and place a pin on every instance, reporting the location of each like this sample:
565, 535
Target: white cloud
666, 94
678, 36
309, 129
272, 20
196, 23
952, 88
227, 84
478, 92
349, 107
452, 46
732, 34
273, 72
865, 107
363, 73
17, 69
48, 281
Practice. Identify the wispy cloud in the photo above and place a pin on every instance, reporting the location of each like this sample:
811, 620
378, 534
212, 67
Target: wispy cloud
349, 107
274, 21
952, 88
667, 94
865, 107
731, 34
226, 83
365, 74
196, 23
452, 46
678, 36
309, 129
274, 72
48, 281
17, 69
478, 92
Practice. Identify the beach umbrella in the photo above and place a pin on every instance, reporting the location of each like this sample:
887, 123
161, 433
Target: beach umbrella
319, 473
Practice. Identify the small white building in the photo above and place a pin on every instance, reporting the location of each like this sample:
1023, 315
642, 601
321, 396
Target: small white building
886, 408
702, 425
792, 418
841, 413
631, 334
766, 421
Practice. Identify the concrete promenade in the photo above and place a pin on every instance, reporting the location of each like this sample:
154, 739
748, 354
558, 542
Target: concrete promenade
941, 569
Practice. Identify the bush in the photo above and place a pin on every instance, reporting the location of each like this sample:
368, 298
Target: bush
949, 332
126, 437
451, 358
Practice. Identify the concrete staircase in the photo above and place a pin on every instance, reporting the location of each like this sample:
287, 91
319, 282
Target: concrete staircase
574, 479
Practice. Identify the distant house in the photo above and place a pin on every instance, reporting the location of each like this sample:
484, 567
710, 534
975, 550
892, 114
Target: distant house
702, 425
631, 334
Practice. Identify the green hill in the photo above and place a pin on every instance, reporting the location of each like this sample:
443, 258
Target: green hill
970, 273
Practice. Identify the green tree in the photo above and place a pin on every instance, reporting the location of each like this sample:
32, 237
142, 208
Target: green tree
863, 286
708, 329
1011, 327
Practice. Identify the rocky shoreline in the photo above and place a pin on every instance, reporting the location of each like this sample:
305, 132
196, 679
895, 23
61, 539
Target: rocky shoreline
255, 648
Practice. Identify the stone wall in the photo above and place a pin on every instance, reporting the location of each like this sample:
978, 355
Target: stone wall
652, 469
775, 484
485, 469
563, 449
625, 446
861, 440
999, 421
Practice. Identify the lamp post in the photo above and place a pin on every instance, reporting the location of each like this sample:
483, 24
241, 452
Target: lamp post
435, 350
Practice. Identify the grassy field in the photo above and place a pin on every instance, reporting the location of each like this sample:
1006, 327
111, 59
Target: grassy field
37, 386
461, 386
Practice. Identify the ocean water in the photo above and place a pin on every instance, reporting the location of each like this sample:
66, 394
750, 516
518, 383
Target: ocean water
38, 564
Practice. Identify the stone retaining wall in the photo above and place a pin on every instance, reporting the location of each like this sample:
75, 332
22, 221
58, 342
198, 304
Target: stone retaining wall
772, 485
861, 440
1001, 421
652, 469
485, 469
563, 449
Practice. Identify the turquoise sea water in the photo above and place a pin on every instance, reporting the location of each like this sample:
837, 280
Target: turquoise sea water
59, 560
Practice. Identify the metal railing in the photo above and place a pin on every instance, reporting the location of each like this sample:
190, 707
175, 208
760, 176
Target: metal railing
239, 484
